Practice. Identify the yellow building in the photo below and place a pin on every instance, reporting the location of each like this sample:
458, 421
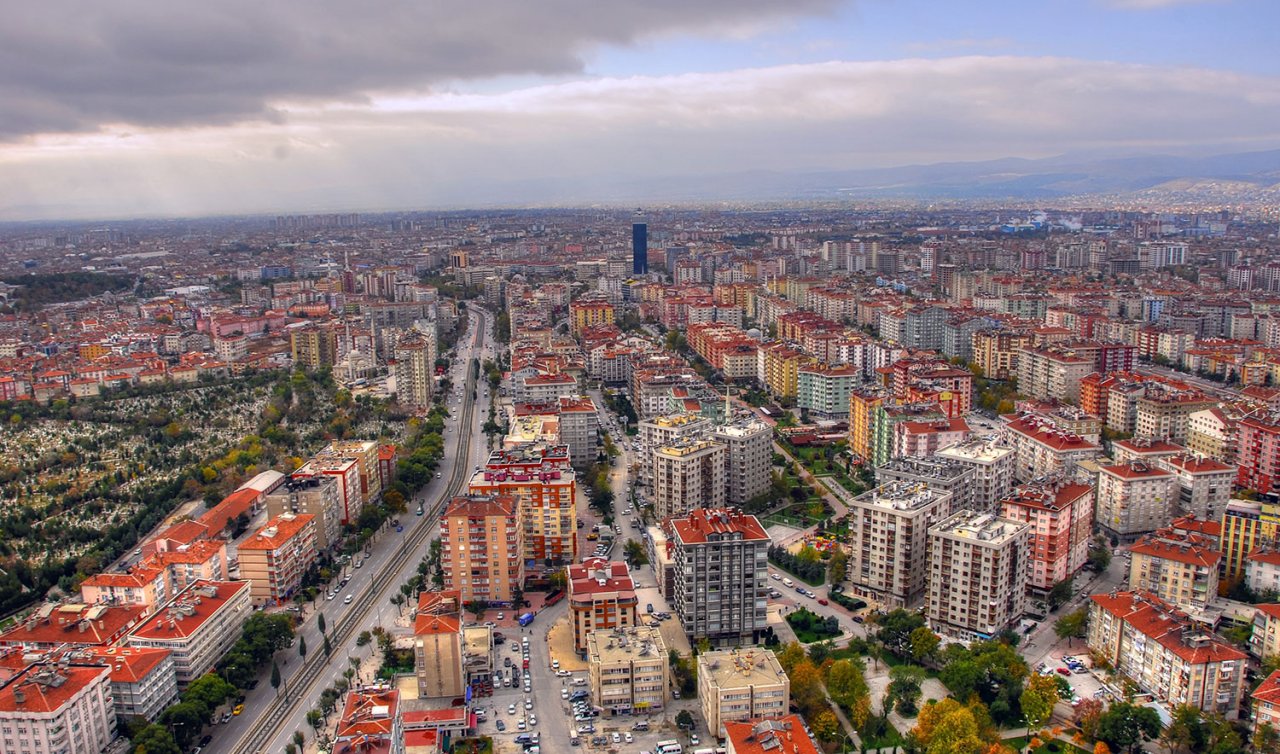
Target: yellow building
313, 346
587, 313
779, 368
996, 352
1245, 525
91, 351
862, 408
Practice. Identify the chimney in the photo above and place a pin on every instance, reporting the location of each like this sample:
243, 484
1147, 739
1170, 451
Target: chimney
19, 696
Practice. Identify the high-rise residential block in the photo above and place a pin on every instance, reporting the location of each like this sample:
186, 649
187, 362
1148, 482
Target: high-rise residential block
936, 474
720, 561
541, 479
480, 542
275, 558
688, 475
1134, 499
748, 459
1060, 514
978, 570
1179, 567
415, 355
888, 539
992, 463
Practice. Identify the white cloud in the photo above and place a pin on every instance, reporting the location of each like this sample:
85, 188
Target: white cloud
574, 140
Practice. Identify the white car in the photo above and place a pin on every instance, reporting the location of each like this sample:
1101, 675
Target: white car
628, 737
533, 720
511, 709
528, 704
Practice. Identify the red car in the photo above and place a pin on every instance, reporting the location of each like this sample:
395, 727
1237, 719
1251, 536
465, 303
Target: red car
526, 664
1064, 671
822, 601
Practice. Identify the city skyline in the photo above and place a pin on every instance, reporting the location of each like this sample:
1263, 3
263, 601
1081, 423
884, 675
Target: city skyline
249, 109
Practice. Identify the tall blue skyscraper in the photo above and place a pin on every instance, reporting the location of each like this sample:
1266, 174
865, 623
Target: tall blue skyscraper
639, 245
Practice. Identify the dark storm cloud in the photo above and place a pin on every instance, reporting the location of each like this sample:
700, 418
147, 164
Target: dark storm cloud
73, 66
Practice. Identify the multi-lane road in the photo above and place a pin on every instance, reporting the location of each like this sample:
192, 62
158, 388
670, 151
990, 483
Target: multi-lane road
271, 717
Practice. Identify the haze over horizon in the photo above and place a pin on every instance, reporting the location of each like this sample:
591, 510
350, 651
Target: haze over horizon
235, 107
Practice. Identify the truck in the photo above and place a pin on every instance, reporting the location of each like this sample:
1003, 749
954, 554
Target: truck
526, 619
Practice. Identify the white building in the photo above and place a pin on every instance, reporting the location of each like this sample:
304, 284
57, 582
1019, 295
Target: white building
888, 537
978, 570
749, 445
57, 709
993, 465
198, 626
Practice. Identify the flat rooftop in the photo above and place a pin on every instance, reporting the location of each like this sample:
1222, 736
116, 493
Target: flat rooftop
739, 668
626, 645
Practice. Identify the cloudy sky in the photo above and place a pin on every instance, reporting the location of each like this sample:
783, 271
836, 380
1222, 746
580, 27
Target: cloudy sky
149, 108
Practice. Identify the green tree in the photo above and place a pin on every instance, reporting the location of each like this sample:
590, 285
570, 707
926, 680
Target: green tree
1099, 555
895, 629
838, 565
846, 682
1060, 594
790, 656
904, 689
924, 643
1186, 730
1266, 740
328, 650
1038, 698
992, 670
155, 739
275, 676
320, 622
1128, 726
684, 720
1072, 626
185, 719
302, 647
210, 690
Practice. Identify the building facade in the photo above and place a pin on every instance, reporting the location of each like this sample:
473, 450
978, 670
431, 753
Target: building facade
888, 539
602, 597
978, 570
481, 541
737, 685
721, 564
628, 670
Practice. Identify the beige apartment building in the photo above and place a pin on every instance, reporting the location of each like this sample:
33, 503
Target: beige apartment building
1179, 567
978, 569
628, 670
741, 684
1165, 654
1134, 499
888, 538
480, 538
1053, 373
274, 559
687, 475
993, 465
315, 496
749, 450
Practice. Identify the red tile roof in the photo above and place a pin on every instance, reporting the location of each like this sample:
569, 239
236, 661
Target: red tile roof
784, 735
157, 626
101, 625
1269, 690
1136, 471
1164, 624
278, 532
130, 664
45, 697
695, 527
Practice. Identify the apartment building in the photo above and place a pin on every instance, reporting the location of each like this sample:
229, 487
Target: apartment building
57, 708
315, 496
688, 474
541, 479
1165, 654
602, 597
978, 571
748, 444
589, 312
936, 474
198, 626
1050, 372
628, 670
1204, 485
720, 566
372, 722
1060, 514
1247, 525
346, 474
1258, 453
579, 429
415, 357
438, 657
996, 351
1212, 434
1262, 570
1264, 641
73, 625
738, 685
1134, 499
1167, 413
481, 542
1042, 450
274, 559
824, 390
992, 464
1179, 567
1266, 704
143, 681
888, 538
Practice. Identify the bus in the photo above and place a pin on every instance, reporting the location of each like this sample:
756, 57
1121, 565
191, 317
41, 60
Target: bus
526, 619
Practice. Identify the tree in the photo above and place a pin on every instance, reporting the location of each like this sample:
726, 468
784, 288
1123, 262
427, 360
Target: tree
1088, 716
1185, 730
1099, 555
904, 688
320, 622
210, 690
949, 727
1072, 626
299, 739
806, 687
1127, 726
302, 647
1038, 698
1101, 748
838, 566
1060, 593
896, 628
684, 720
364, 638
790, 656
185, 719
155, 739
924, 643
992, 670
1266, 740
327, 648
275, 676
825, 725
846, 682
